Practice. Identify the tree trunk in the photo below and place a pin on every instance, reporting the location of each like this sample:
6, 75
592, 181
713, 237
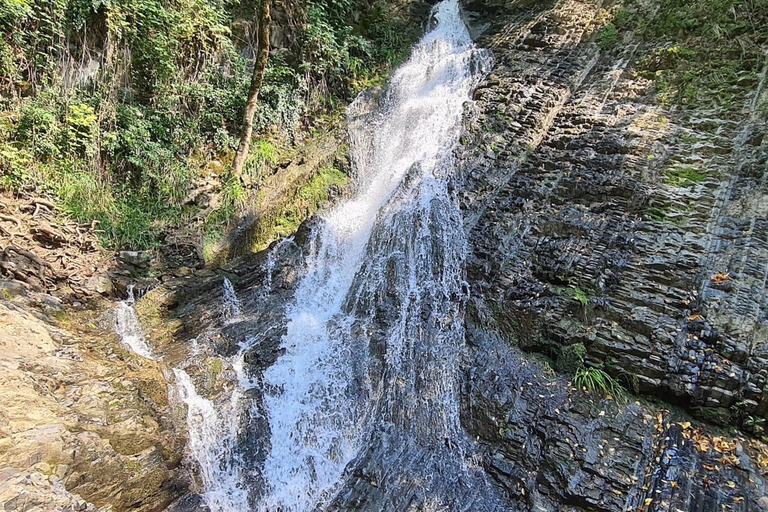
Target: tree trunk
253, 92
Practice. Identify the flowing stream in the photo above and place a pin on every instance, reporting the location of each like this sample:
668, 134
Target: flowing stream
127, 326
367, 375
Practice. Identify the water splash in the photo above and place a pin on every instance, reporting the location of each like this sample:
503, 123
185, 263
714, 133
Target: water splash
230, 304
319, 394
211, 444
127, 326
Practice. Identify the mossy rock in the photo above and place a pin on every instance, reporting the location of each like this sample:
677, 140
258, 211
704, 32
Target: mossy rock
571, 358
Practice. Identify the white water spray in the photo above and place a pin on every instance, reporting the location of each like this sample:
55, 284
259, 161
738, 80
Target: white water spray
212, 433
230, 304
318, 418
127, 326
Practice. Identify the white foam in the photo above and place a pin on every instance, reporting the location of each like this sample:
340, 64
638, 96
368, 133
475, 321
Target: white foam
127, 326
316, 423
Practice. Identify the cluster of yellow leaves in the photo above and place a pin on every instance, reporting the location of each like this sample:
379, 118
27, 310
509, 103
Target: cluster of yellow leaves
721, 278
720, 445
760, 457
703, 443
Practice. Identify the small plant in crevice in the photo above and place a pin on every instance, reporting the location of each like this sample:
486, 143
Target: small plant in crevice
582, 298
608, 38
684, 176
630, 381
595, 380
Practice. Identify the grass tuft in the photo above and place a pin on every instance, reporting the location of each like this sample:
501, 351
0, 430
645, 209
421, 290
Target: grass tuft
597, 381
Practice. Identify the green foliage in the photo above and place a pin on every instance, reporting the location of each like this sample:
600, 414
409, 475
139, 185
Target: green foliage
341, 55
709, 51
581, 296
15, 167
215, 223
118, 106
317, 191
81, 122
596, 380
608, 38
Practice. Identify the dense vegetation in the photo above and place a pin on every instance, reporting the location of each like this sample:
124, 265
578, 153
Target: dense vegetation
707, 52
119, 107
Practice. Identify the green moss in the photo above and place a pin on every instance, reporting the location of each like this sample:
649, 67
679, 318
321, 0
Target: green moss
317, 191
134, 466
571, 358
708, 52
684, 176
581, 296
213, 368
288, 216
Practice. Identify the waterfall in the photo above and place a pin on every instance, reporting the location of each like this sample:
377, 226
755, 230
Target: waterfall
230, 304
127, 326
367, 372
399, 236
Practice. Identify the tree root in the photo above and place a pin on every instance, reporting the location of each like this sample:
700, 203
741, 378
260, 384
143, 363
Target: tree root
41, 263
10, 218
43, 202
49, 235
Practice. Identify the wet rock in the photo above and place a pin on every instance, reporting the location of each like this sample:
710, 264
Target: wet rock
79, 427
101, 284
136, 258
586, 196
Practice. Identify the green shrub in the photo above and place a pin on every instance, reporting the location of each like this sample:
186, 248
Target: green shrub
124, 145
608, 38
81, 121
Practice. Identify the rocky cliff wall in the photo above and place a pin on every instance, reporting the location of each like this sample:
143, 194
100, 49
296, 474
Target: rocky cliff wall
84, 424
601, 222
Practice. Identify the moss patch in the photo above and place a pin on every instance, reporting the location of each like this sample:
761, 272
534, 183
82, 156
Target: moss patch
684, 176
285, 219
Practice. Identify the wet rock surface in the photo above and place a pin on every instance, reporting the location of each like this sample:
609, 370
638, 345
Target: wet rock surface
586, 228
194, 328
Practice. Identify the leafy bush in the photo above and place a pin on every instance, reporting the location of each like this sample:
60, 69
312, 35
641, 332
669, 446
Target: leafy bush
608, 37
128, 102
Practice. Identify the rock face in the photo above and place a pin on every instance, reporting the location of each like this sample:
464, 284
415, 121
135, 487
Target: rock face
584, 230
83, 423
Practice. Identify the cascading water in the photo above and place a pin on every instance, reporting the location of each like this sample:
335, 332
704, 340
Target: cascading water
367, 375
211, 443
328, 392
127, 326
230, 304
